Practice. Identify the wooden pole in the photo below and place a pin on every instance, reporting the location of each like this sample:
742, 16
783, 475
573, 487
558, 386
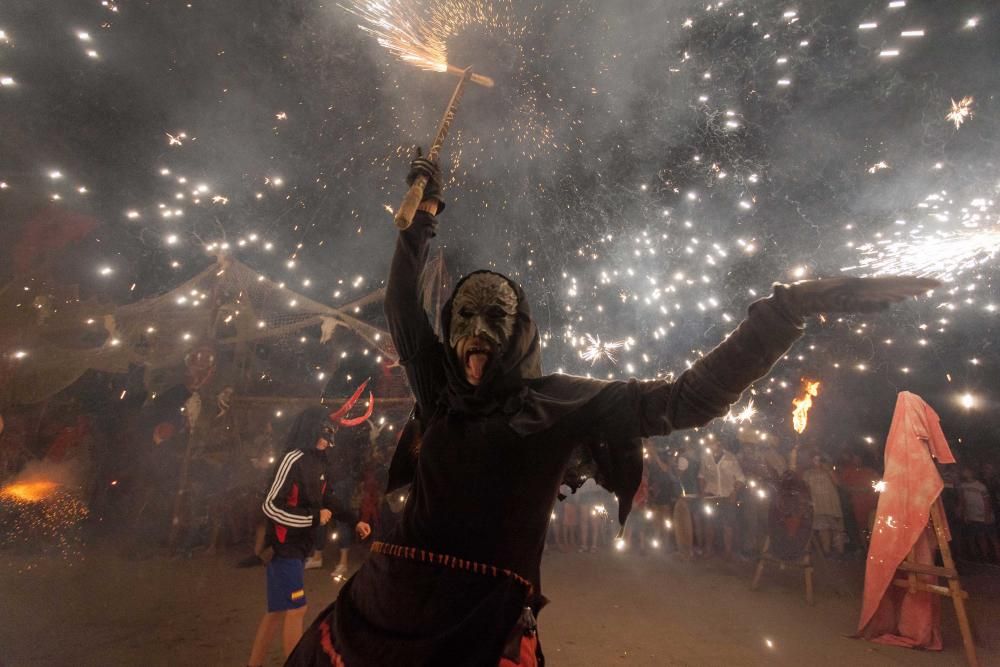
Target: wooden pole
404, 216
182, 484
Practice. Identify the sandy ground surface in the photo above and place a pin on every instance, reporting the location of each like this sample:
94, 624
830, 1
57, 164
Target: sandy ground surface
607, 609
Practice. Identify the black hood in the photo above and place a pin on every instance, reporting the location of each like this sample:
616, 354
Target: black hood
514, 386
519, 360
306, 429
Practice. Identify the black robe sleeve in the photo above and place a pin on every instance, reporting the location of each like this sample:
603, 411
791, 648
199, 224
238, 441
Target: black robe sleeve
708, 389
623, 412
420, 351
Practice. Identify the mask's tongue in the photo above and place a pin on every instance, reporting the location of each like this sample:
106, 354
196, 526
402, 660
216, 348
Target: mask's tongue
475, 366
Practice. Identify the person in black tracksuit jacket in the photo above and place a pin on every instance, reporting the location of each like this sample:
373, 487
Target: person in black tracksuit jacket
299, 499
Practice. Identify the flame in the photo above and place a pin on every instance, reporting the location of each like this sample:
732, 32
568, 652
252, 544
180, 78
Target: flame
32, 492
800, 415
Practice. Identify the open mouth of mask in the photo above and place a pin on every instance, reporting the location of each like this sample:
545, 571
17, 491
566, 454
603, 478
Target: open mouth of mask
483, 315
476, 358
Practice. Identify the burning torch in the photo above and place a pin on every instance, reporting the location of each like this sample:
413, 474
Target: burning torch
800, 414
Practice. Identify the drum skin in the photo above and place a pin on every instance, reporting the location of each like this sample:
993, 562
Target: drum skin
790, 519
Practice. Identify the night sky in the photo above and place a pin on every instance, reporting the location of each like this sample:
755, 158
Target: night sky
645, 169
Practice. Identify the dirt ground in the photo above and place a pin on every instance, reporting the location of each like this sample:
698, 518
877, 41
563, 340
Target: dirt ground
607, 609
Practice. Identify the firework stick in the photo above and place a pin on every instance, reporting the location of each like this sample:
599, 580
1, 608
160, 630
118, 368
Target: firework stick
404, 216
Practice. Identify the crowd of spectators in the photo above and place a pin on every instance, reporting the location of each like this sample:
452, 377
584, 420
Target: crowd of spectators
711, 498
699, 498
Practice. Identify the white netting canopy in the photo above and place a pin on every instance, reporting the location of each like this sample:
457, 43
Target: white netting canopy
227, 304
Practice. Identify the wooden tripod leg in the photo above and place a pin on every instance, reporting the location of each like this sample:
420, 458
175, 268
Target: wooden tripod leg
937, 520
760, 565
809, 578
963, 623
816, 545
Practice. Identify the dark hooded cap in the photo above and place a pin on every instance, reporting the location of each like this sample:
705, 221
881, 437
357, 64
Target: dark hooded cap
306, 428
520, 360
515, 386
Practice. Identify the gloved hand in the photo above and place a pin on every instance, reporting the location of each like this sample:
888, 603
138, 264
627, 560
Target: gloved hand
421, 166
848, 295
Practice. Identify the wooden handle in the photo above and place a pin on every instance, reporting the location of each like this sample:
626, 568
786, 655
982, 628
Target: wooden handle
404, 216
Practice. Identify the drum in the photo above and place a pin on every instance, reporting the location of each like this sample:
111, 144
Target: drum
790, 519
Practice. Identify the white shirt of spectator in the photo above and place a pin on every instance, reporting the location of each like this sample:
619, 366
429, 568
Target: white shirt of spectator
974, 495
720, 477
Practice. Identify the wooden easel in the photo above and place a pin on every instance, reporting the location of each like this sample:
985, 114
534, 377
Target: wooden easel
953, 590
805, 563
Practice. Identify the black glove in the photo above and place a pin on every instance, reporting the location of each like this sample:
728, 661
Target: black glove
421, 166
849, 295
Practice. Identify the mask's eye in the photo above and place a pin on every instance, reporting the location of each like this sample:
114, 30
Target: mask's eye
465, 313
496, 313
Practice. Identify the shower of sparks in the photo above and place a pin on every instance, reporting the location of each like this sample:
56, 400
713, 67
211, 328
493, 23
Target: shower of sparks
29, 491
878, 166
42, 516
408, 36
945, 255
620, 269
418, 33
800, 415
597, 349
961, 111
744, 415
943, 238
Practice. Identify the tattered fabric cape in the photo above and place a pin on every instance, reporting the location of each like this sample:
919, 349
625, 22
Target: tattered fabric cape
891, 615
485, 463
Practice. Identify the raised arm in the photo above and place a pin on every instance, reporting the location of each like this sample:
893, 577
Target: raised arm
707, 389
420, 351
716, 381
621, 412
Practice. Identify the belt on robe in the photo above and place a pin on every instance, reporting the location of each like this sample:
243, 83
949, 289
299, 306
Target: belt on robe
454, 562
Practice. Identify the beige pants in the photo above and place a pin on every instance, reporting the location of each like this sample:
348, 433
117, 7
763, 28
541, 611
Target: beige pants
683, 528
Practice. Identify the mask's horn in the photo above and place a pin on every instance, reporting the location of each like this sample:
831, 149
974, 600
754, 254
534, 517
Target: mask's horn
337, 416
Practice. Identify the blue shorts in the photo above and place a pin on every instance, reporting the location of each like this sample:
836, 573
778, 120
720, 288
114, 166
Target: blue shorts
285, 584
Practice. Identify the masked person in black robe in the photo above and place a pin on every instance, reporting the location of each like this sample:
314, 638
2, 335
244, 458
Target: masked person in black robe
491, 438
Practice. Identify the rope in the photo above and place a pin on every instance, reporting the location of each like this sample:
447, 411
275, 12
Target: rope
454, 562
